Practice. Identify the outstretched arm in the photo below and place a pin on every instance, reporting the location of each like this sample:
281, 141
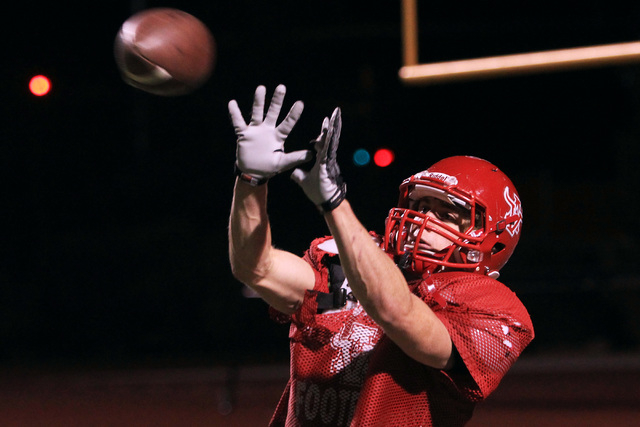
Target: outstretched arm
375, 280
279, 277
383, 292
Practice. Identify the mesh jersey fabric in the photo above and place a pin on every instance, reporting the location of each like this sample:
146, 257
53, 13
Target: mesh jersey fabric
344, 371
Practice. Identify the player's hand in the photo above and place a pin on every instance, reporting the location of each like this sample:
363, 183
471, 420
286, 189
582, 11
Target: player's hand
260, 150
323, 184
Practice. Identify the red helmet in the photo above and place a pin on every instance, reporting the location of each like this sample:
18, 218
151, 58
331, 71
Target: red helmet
484, 244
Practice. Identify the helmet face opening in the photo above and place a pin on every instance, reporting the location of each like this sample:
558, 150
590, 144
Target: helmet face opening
483, 199
405, 227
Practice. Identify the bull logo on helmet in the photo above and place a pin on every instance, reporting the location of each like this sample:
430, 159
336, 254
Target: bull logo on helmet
515, 210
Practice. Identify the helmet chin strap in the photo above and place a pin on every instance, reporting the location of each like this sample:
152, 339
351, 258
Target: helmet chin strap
493, 274
404, 261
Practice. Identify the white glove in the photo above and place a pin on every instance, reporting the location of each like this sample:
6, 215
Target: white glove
323, 184
260, 150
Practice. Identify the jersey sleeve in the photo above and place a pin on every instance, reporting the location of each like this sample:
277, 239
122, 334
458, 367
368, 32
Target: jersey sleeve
489, 326
317, 257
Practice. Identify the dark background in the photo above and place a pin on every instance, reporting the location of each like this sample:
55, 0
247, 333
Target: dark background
115, 202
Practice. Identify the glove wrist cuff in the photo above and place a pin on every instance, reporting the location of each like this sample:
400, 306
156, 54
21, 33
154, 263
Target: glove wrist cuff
336, 199
253, 181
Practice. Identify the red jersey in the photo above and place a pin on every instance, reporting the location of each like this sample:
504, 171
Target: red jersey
346, 372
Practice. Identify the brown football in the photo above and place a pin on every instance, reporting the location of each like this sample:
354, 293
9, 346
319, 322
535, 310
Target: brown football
165, 51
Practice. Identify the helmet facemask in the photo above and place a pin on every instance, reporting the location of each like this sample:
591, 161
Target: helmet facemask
432, 209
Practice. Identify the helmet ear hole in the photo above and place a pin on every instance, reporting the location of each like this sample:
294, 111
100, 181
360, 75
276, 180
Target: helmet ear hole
497, 248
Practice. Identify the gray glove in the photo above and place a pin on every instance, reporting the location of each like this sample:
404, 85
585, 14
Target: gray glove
323, 184
260, 150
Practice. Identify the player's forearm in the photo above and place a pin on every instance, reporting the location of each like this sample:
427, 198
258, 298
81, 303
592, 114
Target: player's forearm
384, 293
374, 278
279, 277
249, 233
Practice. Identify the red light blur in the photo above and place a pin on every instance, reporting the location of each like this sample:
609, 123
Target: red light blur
40, 85
383, 157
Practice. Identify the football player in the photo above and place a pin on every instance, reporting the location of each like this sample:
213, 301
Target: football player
406, 328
